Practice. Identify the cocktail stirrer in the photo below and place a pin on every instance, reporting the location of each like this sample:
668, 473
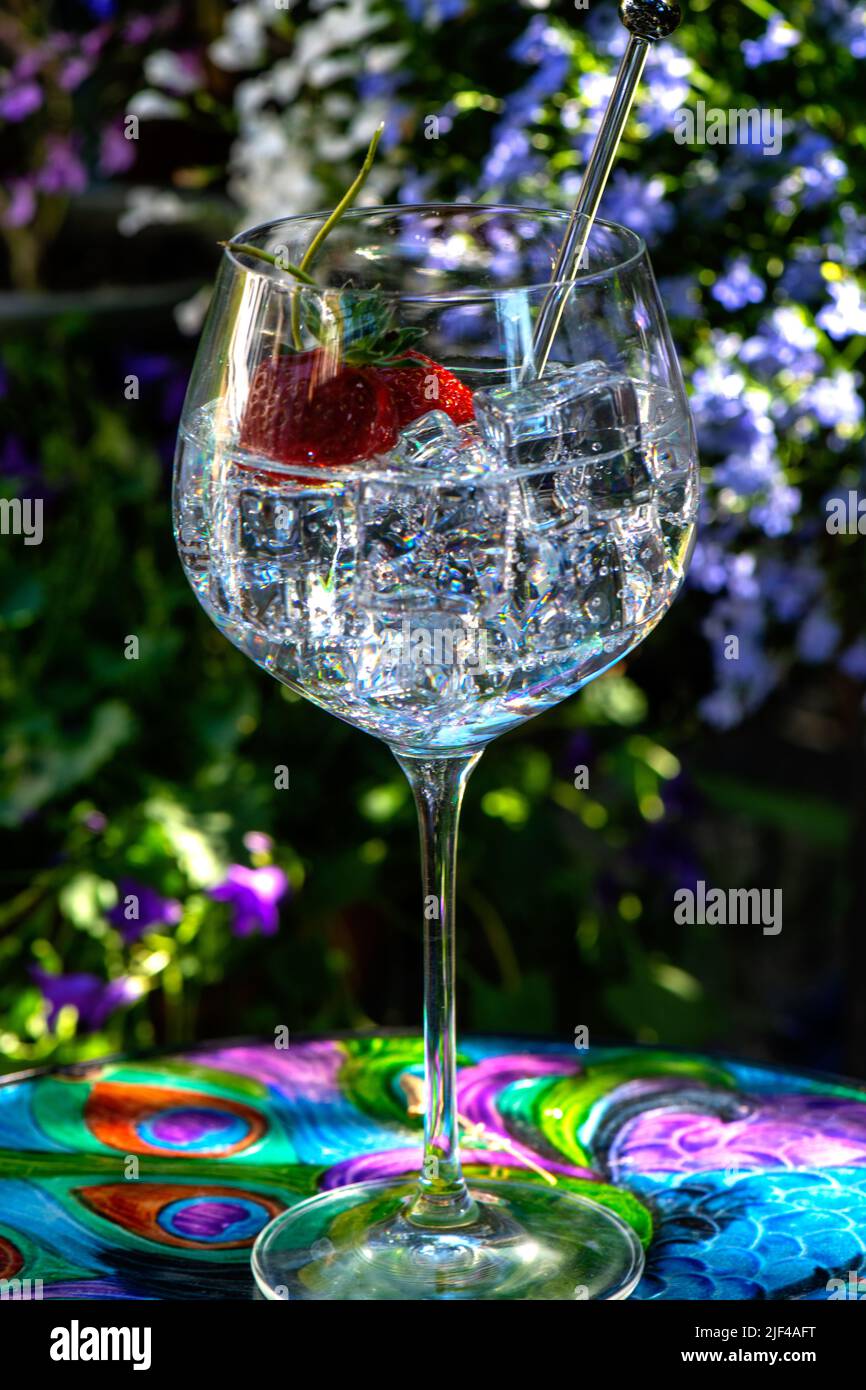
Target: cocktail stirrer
646, 21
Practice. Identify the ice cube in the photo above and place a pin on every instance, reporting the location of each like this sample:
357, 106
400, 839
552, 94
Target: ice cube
433, 545
287, 551
429, 442
571, 412
616, 483
647, 577
675, 479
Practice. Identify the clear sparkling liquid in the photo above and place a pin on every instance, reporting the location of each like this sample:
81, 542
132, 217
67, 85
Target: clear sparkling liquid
438, 604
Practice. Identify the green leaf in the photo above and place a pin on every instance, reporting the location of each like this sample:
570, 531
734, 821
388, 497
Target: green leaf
54, 767
817, 820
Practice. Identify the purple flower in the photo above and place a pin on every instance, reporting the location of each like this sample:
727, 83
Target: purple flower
93, 42
772, 45
74, 72
21, 203
257, 842
62, 171
738, 286
139, 28
20, 100
116, 153
253, 895
94, 999
140, 907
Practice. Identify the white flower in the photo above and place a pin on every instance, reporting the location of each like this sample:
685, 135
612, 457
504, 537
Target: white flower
242, 43
147, 207
271, 168
190, 313
165, 69
154, 106
253, 94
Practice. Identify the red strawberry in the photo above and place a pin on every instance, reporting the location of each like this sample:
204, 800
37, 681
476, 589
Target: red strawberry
426, 385
306, 408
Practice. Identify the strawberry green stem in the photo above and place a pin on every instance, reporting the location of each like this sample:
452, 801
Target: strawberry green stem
347, 199
328, 225
245, 249
300, 271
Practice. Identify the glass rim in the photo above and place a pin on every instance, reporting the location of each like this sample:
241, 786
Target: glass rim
266, 272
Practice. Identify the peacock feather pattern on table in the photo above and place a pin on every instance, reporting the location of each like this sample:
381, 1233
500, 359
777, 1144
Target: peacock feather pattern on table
151, 1178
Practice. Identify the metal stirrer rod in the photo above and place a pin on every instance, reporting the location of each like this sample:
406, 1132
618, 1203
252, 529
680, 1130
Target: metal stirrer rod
646, 21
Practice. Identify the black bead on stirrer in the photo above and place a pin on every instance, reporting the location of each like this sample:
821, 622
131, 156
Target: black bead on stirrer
646, 21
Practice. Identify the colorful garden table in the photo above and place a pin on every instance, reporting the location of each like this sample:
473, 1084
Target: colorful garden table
150, 1177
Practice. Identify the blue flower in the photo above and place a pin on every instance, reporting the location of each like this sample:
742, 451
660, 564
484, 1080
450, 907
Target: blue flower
853, 660
745, 675
817, 169
667, 87
709, 568
435, 12
846, 315
835, 400
738, 286
790, 589
853, 32
511, 157
818, 637
545, 49
639, 204
775, 513
681, 296
730, 419
853, 236
801, 279
774, 44
784, 342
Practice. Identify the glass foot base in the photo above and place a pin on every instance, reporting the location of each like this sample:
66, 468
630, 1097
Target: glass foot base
527, 1241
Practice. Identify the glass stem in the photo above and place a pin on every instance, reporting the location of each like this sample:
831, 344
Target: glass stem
438, 784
